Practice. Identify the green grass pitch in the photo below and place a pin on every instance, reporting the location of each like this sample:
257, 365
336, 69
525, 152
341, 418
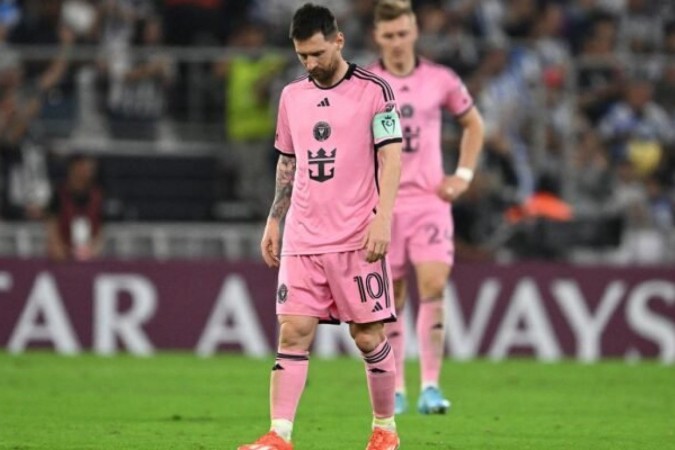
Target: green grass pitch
179, 401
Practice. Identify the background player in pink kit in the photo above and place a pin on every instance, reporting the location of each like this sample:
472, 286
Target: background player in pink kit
337, 130
422, 228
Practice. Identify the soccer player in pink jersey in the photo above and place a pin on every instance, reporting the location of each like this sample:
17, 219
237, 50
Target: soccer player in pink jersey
339, 139
422, 228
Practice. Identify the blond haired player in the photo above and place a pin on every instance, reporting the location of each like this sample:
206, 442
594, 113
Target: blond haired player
422, 227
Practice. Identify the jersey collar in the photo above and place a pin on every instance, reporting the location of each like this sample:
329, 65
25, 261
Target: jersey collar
417, 64
348, 75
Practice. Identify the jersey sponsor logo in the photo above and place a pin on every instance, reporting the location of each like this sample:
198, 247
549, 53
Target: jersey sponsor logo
321, 131
282, 294
323, 161
410, 135
410, 139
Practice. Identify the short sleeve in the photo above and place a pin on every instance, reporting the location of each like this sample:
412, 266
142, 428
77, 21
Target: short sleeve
283, 141
458, 100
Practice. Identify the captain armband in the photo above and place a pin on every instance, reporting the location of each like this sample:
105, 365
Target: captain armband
387, 126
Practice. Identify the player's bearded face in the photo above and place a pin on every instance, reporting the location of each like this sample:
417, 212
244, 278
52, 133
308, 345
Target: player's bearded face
320, 56
324, 74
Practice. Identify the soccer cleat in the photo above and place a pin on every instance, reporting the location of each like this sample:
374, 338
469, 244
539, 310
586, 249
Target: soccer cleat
382, 439
431, 401
270, 441
400, 403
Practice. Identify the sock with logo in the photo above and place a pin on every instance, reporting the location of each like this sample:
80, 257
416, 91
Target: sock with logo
381, 375
287, 383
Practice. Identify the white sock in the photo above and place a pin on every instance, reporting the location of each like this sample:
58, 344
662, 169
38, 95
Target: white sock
387, 423
427, 384
283, 428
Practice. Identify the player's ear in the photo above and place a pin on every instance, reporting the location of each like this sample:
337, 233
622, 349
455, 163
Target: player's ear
340, 40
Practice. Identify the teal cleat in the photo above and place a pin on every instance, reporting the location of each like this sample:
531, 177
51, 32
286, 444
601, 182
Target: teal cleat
400, 403
432, 402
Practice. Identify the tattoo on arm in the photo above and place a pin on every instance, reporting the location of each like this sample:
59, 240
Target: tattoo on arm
284, 187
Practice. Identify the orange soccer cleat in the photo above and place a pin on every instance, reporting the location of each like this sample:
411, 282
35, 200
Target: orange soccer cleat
270, 441
382, 439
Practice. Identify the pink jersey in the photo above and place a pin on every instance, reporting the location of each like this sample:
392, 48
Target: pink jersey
330, 132
421, 96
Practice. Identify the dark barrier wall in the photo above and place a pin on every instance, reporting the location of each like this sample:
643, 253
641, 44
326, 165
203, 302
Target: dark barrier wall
549, 311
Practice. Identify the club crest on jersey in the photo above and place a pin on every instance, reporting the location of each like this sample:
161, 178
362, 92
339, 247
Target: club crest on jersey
282, 294
323, 162
321, 131
407, 111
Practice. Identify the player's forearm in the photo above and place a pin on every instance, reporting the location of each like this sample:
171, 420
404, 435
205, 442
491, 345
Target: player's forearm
472, 141
390, 174
284, 187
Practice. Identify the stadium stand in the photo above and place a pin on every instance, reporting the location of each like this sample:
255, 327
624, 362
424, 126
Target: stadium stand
579, 90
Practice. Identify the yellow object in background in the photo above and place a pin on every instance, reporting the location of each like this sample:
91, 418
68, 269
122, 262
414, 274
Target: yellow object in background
645, 156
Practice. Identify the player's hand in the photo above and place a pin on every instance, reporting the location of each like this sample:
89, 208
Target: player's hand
452, 187
378, 235
270, 244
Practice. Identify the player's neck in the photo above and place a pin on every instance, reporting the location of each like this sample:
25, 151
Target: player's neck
400, 69
339, 74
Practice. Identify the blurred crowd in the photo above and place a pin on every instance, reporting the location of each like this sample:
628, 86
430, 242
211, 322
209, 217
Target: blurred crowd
578, 98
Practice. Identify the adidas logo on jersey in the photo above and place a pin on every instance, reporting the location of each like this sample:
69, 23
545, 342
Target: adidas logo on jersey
323, 103
377, 307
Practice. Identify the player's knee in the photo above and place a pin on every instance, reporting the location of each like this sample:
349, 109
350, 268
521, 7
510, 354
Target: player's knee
294, 336
432, 287
367, 340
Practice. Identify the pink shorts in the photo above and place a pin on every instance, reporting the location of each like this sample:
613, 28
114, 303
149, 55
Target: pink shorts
336, 287
422, 234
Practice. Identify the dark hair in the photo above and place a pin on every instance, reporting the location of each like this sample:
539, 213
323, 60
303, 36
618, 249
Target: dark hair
310, 19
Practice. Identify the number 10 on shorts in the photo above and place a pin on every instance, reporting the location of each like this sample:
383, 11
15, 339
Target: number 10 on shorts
372, 286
